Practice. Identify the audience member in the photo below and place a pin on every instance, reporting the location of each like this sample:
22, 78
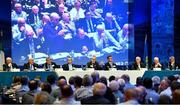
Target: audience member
28, 97
152, 97
128, 85
67, 96
99, 89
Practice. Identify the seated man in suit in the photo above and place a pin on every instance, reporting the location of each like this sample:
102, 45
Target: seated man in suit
30, 65
49, 65
110, 63
156, 64
34, 19
172, 63
84, 42
137, 65
94, 64
88, 24
69, 65
9, 65
52, 32
103, 39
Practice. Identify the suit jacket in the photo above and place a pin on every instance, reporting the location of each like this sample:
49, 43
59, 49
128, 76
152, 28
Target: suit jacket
66, 67
95, 100
52, 39
31, 19
153, 66
172, 67
7, 68
86, 41
96, 65
135, 66
53, 64
82, 23
27, 66
107, 65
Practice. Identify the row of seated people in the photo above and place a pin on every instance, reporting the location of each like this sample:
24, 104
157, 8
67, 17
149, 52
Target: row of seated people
92, 89
49, 65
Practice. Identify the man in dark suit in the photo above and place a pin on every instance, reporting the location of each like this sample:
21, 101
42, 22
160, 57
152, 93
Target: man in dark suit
99, 89
156, 64
34, 17
28, 97
110, 63
49, 65
30, 65
69, 65
137, 65
94, 64
85, 43
88, 24
8, 66
172, 64
53, 34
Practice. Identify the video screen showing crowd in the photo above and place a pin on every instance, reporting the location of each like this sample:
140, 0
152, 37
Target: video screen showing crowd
76, 28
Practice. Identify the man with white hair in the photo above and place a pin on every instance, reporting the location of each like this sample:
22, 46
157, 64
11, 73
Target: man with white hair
17, 13
103, 39
23, 39
114, 86
35, 17
172, 63
156, 82
137, 65
156, 63
9, 65
125, 34
111, 24
31, 65
99, 89
77, 12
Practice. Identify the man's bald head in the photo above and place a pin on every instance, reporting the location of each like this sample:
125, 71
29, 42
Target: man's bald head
62, 82
99, 89
130, 94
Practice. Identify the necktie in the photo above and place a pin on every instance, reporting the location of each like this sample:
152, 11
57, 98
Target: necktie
90, 25
31, 67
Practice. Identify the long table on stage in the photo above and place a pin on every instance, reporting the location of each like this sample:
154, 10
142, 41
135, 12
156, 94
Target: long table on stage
6, 77
161, 74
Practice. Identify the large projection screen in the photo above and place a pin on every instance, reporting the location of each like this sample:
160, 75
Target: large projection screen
75, 28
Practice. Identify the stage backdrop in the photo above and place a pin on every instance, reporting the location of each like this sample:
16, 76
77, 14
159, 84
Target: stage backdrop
162, 22
56, 29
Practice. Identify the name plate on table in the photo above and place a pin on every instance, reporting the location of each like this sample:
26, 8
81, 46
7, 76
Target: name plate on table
15, 70
78, 69
157, 69
144, 69
59, 69
89, 69
113, 69
40, 69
